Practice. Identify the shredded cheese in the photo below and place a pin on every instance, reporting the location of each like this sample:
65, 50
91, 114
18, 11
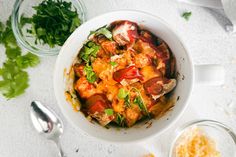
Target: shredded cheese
194, 143
149, 155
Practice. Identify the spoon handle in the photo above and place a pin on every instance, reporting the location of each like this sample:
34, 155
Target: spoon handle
61, 153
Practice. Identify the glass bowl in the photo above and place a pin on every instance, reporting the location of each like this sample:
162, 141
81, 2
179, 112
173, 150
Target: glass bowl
222, 135
26, 40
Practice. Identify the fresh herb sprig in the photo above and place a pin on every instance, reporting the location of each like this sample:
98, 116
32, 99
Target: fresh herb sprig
90, 74
120, 119
123, 94
104, 31
88, 53
139, 101
53, 22
14, 78
187, 15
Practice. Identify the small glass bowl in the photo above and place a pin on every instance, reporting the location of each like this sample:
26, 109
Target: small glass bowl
222, 135
27, 41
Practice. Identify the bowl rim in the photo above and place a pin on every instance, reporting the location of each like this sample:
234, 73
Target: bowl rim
37, 51
185, 103
201, 122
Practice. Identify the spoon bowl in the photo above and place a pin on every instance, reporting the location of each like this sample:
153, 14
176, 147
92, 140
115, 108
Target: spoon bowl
46, 123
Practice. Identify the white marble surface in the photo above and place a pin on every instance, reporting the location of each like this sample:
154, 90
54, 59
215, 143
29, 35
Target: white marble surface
207, 42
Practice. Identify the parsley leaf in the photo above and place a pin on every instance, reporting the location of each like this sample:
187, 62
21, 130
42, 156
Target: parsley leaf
109, 111
113, 64
28, 60
122, 93
14, 80
13, 53
53, 22
186, 15
24, 20
89, 50
1, 31
104, 31
90, 74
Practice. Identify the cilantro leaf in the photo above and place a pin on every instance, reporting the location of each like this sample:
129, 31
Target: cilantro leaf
90, 74
89, 51
9, 69
120, 119
109, 111
122, 93
139, 101
28, 60
15, 80
24, 20
13, 53
1, 31
53, 22
113, 64
127, 101
75, 23
104, 31
186, 15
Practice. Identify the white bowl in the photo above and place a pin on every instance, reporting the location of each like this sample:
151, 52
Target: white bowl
140, 131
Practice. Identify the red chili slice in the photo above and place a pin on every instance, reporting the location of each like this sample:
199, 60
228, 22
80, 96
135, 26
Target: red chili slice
97, 103
130, 72
154, 86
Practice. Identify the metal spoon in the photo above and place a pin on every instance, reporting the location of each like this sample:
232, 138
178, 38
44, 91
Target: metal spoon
47, 123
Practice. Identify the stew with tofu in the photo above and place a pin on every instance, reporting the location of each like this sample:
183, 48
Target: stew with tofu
124, 74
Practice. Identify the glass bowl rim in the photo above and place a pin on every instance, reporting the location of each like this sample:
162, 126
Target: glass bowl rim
19, 38
203, 122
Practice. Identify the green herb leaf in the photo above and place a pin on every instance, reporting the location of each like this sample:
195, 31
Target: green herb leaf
104, 31
28, 60
13, 53
113, 64
15, 80
127, 101
90, 74
120, 119
24, 20
109, 111
53, 22
75, 23
1, 31
139, 101
186, 15
122, 93
89, 50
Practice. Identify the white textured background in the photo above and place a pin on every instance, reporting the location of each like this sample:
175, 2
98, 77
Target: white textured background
207, 42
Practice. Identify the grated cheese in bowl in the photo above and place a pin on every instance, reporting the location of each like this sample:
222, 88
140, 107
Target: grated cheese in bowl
195, 143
